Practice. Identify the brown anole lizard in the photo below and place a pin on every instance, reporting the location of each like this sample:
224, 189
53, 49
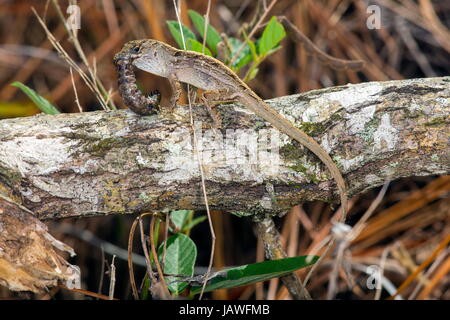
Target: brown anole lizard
219, 83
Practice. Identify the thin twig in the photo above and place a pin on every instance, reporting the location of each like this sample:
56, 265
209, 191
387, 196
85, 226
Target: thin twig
349, 237
112, 282
89, 82
430, 270
130, 261
384, 256
102, 271
206, 26
166, 236
155, 257
97, 85
77, 101
145, 249
255, 28
202, 173
424, 264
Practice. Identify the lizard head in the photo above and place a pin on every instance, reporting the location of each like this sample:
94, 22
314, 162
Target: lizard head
148, 55
130, 51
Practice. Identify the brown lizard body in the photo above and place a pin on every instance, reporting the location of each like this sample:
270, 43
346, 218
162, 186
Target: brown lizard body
218, 80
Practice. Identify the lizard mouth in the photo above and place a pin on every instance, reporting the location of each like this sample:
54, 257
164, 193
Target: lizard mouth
118, 57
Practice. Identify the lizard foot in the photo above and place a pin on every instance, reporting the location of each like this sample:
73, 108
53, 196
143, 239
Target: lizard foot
210, 98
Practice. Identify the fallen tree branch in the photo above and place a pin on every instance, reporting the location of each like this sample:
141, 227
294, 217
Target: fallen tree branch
100, 163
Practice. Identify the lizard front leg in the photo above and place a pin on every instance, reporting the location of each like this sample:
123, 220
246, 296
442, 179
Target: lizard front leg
176, 92
211, 97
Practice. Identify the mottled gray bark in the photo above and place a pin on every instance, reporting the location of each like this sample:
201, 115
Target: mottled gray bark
100, 163
118, 162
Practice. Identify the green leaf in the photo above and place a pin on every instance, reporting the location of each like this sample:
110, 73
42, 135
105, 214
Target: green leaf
181, 253
252, 74
194, 45
194, 222
174, 28
245, 56
252, 48
180, 217
43, 104
145, 288
212, 36
278, 47
272, 35
252, 273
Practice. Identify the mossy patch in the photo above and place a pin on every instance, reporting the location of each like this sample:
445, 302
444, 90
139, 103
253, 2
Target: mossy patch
304, 170
9, 176
312, 128
94, 145
293, 154
241, 214
435, 158
369, 129
101, 147
437, 121
144, 197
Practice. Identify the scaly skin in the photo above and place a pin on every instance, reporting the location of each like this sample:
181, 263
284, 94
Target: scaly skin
143, 105
220, 82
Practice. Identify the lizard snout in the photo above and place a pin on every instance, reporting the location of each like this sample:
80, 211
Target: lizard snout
117, 57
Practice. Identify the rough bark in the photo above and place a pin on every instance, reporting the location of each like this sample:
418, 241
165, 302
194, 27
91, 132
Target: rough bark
100, 163
118, 162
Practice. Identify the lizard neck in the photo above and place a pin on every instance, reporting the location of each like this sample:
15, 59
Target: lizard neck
156, 58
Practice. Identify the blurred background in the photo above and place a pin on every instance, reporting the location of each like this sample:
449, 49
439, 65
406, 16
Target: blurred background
412, 42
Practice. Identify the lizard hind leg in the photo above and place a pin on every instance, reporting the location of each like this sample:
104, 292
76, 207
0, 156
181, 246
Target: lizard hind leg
210, 98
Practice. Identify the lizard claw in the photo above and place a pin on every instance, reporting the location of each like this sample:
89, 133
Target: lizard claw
154, 97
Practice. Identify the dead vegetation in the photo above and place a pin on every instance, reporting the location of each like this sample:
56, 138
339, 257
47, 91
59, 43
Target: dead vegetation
403, 228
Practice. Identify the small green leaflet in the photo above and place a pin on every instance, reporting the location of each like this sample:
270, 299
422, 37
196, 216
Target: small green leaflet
193, 223
212, 36
272, 35
174, 28
180, 217
43, 104
245, 56
196, 46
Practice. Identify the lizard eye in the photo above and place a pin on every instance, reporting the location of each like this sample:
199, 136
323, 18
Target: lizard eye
135, 49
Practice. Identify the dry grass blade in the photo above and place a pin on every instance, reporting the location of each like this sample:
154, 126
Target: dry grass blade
440, 274
312, 49
146, 254
430, 270
88, 293
414, 201
77, 101
89, 82
155, 256
96, 83
424, 264
255, 28
130, 260
112, 282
